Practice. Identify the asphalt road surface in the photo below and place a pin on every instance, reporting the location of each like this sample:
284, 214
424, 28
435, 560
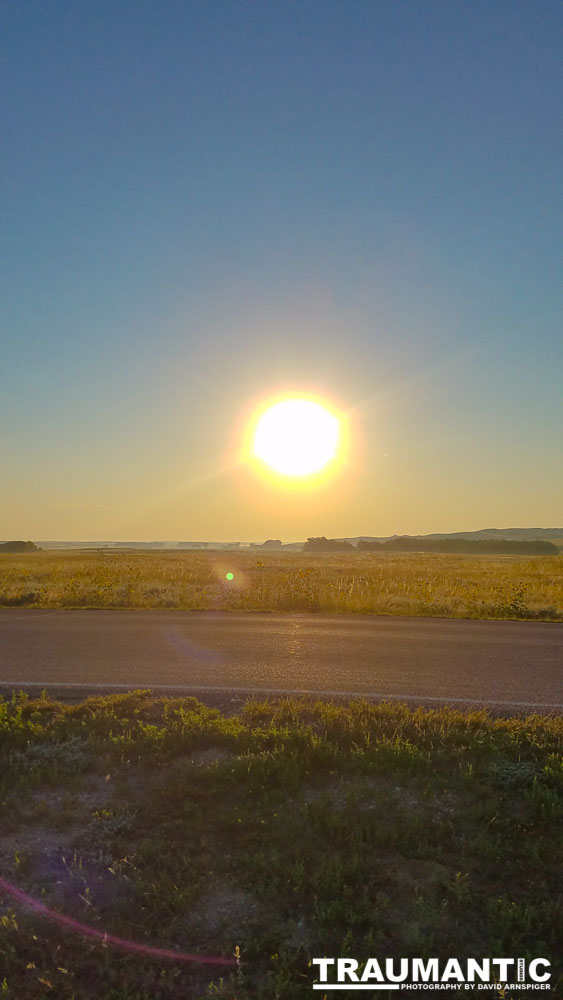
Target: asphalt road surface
502, 664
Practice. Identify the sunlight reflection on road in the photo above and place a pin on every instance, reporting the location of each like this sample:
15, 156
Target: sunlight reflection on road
191, 650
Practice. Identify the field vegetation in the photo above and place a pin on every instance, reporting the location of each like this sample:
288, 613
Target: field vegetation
404, 583
290, 830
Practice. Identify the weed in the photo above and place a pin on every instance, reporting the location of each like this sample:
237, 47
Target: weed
68, 757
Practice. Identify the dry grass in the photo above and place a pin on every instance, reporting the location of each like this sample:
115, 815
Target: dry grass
398, 584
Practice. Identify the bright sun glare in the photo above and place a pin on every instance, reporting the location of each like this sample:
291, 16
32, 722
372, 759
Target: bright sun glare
297, 437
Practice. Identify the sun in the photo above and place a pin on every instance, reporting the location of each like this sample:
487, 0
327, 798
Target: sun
297, 437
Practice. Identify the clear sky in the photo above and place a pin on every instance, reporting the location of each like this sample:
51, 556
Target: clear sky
208, 202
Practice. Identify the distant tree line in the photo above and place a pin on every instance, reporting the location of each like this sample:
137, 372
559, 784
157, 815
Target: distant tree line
323, 544
18, 547
460, 546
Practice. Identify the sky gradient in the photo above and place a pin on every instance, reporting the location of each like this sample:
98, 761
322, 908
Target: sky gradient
206, 204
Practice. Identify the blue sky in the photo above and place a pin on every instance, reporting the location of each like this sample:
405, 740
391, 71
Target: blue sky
208, 201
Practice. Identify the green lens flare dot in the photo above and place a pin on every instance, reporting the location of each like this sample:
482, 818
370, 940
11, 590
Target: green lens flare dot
230, 576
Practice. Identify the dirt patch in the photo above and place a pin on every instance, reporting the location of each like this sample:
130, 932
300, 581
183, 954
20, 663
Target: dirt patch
47, 826
440, 806
213, 755
339, 790
224, 907
26, 845
414, 873
369, 792
300, 934
372, 794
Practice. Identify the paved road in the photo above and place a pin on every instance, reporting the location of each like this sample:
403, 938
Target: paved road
511, 664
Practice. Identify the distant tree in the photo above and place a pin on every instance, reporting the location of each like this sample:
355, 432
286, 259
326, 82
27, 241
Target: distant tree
18, 547
323, 544
272, 543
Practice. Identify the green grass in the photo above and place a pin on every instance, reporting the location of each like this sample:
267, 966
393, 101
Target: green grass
291, 830
456, 586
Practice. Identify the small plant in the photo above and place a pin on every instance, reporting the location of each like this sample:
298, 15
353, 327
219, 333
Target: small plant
511, 773
67, 757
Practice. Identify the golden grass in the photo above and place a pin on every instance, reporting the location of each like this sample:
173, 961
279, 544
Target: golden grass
457, 586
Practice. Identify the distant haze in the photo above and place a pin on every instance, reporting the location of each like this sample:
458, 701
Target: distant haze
520, 534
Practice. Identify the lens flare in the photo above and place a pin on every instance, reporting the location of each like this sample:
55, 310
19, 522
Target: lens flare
86, 930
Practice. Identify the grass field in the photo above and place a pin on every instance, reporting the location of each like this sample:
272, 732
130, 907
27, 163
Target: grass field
397, 584
288, 831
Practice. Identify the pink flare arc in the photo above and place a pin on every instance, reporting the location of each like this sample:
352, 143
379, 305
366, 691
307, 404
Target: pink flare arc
108, 939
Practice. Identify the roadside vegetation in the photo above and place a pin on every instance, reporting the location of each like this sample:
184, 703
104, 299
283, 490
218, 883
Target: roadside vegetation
291, 830
406, 583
